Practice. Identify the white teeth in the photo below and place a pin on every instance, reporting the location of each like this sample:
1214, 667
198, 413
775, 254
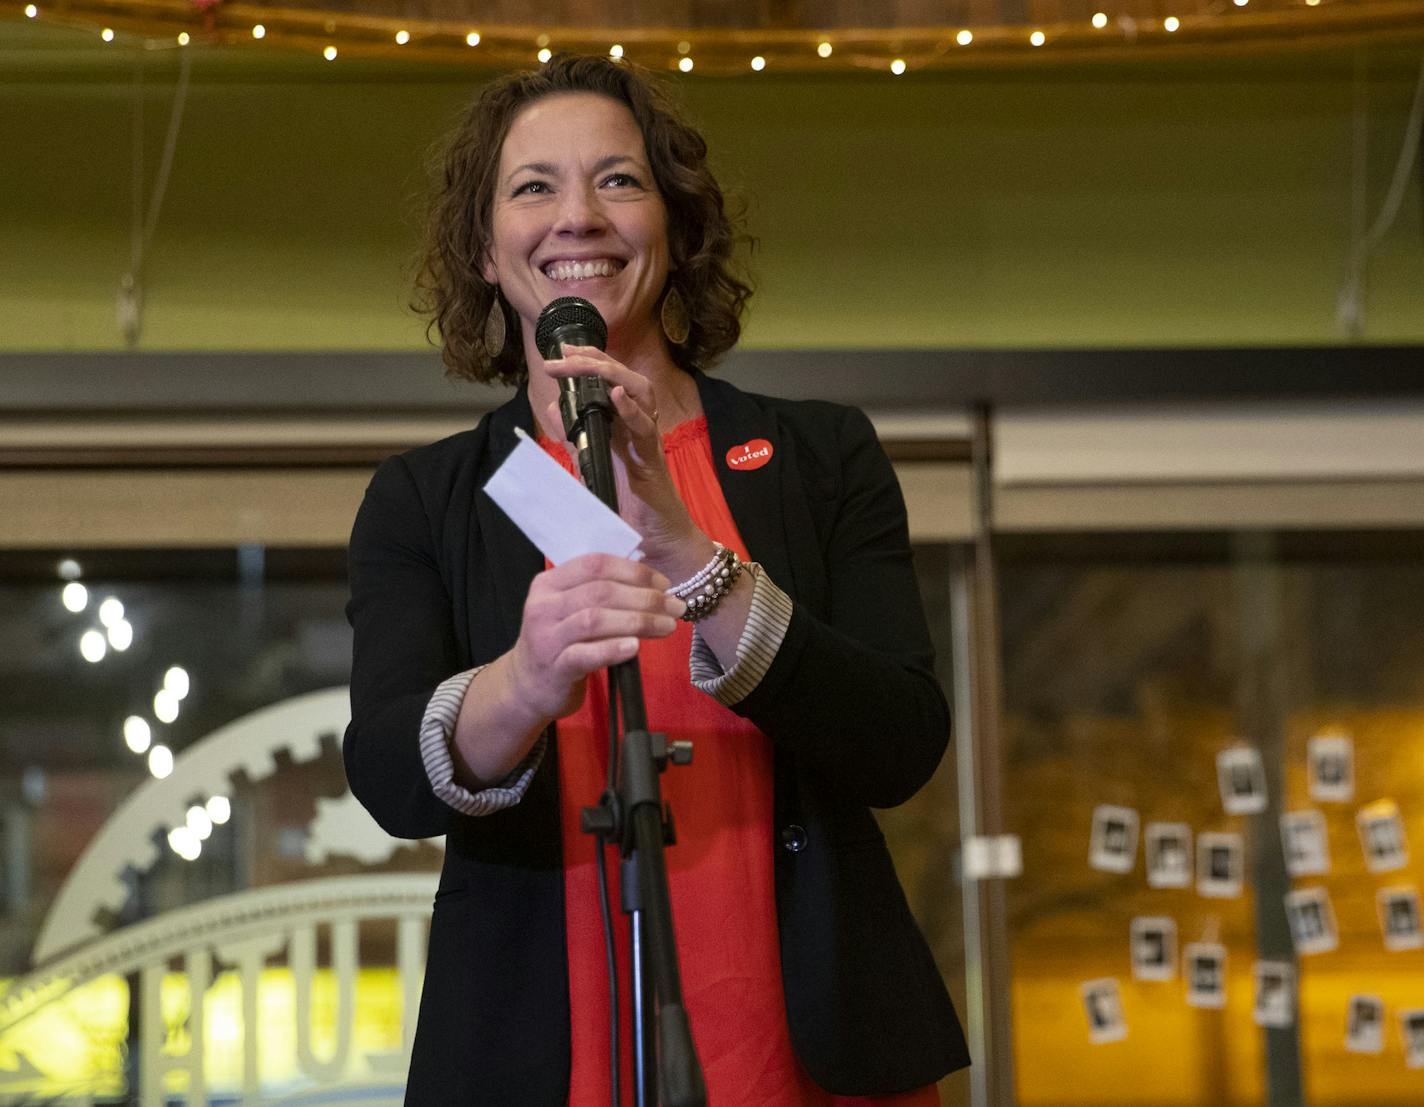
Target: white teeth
580, 270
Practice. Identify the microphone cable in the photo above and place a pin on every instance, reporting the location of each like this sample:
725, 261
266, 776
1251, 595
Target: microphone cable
615, 1065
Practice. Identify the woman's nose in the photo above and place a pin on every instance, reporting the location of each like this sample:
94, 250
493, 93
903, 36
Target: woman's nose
579, 213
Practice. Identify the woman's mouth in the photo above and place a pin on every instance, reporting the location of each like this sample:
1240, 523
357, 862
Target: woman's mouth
581, 270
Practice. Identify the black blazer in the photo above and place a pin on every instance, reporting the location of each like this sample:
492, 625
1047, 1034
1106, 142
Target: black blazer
438, 580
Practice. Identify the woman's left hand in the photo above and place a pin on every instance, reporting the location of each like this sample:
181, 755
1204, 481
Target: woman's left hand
647, 498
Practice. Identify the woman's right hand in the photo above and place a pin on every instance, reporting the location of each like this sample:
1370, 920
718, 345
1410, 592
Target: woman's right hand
581, 616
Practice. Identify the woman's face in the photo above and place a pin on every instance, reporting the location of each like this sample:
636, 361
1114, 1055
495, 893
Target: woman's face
576, 212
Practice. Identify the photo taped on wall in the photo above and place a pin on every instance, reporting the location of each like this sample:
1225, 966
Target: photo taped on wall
1220, 865
1241, 777
1168, 847
1102, 1002
1275, 994
1399, 918
1204, 964
1364, 1025
1113, 845
1411, 1025
1330, 765
1382, 836
1312, 921
1154, 947
1304, 842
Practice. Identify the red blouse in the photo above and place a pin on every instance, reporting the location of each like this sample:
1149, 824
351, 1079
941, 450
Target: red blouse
719, 872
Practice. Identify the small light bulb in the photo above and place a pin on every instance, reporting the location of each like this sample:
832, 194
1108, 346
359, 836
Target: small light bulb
107, 34
74, 596
1037, 38
165, 705
160, 761
824, 49
1312, 3
259, 31
176, 681
329, 53
545, 54
31, 11
68, 569
472, 39
897, 66
219, 809
121, 634
111, 611
199, 823
685, 65
1240, 3
1171, 23
758, 63
964, 38
137, 734
402, 37
1100, 20
183, 842
183, 38
92, 646
615, 51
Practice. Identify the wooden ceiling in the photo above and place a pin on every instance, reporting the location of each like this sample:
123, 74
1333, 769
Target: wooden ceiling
719, 37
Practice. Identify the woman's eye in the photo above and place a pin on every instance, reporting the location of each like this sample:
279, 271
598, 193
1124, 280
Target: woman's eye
529, 188
621, 180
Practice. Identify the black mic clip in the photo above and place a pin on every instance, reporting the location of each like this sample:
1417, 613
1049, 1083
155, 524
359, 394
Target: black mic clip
577, 397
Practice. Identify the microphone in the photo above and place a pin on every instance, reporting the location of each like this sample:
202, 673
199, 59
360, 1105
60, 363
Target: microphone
584, 403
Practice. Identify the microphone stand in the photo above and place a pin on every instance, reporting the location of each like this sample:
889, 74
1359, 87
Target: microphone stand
666, 1070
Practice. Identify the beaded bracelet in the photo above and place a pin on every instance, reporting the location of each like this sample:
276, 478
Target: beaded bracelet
703, 591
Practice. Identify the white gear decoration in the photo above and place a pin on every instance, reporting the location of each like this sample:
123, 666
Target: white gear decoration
343, 828
207, 767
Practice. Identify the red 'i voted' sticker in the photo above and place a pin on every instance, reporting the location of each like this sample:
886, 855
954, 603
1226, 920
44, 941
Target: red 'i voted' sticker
749, 455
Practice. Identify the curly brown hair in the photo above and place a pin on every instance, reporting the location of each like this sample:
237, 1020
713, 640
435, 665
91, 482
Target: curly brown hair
702, 233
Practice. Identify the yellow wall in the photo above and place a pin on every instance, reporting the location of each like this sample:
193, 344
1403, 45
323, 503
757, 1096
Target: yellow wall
1190, 203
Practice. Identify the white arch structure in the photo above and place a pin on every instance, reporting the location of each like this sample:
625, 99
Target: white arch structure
244, 930
223, 923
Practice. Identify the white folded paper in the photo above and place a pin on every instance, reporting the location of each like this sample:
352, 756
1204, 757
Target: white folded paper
554, 510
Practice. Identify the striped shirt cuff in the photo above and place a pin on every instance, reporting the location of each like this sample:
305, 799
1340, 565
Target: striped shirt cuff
436, 730
767, 621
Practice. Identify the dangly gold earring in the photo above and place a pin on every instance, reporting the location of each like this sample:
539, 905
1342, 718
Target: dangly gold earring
495, 328
675, 323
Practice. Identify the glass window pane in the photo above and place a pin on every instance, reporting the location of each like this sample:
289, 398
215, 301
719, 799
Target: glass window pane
923, 834
1163, 701
174, 833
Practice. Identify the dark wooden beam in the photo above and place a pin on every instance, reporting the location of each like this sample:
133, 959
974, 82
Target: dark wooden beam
392, 384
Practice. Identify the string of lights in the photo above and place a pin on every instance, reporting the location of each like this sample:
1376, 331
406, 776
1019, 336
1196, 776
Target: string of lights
1218, 26
94, 644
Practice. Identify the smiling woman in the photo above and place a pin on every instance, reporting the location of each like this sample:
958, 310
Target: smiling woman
805, 676
455, 288
577, 213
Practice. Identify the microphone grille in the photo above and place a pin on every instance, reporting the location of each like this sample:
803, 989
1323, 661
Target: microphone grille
568, 311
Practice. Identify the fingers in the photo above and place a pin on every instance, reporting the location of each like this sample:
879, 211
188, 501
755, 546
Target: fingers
588, 657
599, 625
631, 392
631, 603
638, 417
586, 614
604, 567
